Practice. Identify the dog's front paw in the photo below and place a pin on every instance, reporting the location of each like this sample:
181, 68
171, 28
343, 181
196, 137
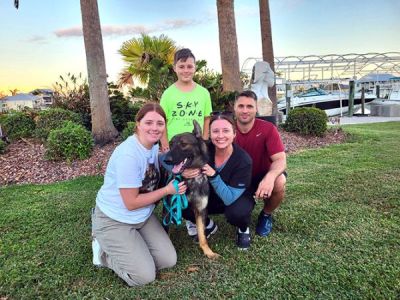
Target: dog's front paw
212, 255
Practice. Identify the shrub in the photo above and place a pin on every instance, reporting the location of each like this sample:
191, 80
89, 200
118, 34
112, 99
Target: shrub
3, 146
307, 121
69, 142
137, 105
139, 92
122, 111
3, 116
31, 112
17, 125
54, 118
128, 130
72, 93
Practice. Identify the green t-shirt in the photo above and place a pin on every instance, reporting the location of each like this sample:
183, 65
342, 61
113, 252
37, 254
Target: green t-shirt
181, 108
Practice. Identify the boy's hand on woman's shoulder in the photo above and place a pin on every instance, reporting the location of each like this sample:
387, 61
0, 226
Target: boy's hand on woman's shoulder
164, 149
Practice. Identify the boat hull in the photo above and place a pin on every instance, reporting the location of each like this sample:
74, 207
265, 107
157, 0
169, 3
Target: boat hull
333, 105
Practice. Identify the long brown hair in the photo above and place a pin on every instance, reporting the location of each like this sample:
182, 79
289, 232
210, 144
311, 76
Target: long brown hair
150, 106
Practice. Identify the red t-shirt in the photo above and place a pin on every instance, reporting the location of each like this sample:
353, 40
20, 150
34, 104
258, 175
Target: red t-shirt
261, 142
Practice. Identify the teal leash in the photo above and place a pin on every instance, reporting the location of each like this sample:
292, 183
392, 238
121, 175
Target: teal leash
175, 205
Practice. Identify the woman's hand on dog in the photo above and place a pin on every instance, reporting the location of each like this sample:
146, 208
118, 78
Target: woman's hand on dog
171, 188
191, 173
207, 170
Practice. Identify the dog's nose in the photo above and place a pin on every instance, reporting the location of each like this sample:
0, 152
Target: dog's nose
168, 160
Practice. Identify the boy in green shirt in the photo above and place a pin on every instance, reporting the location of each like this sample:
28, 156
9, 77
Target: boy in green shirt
185, 100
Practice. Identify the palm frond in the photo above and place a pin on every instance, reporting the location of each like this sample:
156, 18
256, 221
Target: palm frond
125, 78
140, 74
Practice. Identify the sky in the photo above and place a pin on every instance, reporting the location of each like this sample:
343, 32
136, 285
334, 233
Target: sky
43, 39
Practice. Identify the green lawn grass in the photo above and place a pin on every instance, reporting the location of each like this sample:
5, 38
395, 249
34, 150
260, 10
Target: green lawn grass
337, 235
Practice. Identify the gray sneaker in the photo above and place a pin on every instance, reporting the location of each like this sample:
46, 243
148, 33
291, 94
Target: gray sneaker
191, 228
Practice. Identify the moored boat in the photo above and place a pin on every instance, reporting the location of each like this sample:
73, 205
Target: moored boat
335, 103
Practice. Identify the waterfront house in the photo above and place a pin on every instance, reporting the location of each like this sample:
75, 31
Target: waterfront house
19, 101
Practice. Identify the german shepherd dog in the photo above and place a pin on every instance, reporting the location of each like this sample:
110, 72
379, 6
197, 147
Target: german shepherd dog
188, 150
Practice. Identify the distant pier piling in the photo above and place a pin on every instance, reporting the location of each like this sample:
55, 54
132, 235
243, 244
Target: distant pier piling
351, 98
288, 95
363, 101
378, 91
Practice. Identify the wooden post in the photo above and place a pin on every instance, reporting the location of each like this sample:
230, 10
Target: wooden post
351, 98
378, 91
288, 94
362, 101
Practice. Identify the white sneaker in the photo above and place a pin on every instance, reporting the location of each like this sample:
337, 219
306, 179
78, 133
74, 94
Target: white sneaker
96, 253
191, 228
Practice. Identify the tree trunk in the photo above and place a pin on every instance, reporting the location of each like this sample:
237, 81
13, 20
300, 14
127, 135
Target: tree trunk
103, 129
228, 46
267, 47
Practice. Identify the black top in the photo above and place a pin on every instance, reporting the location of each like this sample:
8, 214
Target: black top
236, 173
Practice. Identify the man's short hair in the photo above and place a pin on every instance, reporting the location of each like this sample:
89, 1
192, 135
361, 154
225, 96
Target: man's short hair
247, 93
183, 54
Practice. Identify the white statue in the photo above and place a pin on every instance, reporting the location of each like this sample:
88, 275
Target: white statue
262, 78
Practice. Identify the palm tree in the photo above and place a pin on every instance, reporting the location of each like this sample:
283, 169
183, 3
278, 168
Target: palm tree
14, 92
149, 60
103, 129
138, 53
267, 47
228, 46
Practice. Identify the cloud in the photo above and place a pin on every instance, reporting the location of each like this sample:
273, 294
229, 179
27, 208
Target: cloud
178, 23
73, 31
37, 39
114, 30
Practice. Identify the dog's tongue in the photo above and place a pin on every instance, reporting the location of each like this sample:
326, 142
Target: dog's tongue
177, 168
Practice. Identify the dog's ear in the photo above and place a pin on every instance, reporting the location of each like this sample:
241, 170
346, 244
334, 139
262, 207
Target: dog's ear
203, 147
197, 130
204, 150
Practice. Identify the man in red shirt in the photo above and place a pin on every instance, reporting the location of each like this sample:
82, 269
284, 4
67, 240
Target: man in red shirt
263, 143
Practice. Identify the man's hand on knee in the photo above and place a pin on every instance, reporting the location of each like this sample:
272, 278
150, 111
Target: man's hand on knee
265, 188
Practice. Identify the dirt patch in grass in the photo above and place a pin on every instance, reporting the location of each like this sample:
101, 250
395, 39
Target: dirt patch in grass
24, 160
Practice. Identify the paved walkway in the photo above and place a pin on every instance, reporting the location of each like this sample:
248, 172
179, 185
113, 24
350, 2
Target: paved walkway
366, 119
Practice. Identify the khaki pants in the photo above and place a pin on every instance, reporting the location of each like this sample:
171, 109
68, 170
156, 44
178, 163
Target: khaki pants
133, 251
